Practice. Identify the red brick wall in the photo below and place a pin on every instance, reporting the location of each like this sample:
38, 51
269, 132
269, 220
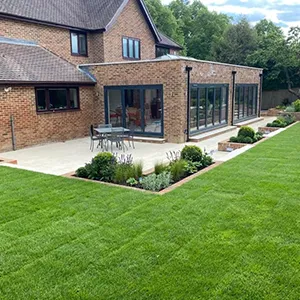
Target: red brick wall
32, 128
54, 39
130, 23
174, 79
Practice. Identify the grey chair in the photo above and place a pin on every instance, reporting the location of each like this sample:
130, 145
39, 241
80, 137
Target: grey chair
94, 138
118, 138
104, 126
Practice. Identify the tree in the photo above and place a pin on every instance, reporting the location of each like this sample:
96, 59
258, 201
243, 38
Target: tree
165, 20
239, 41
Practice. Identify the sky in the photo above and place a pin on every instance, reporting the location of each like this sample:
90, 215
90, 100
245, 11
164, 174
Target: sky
284, 13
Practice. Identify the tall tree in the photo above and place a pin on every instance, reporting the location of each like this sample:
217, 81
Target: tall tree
165, 20
239, 41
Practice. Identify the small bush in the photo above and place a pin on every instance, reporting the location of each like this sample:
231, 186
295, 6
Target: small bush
296, 105
122, 173
132, 182
246, 131
159, 168
192, 167
206, 161
191, 153
248, 140
290, 108
82, 172
102, 167
155, 182
138, 170
178, 170
233, 139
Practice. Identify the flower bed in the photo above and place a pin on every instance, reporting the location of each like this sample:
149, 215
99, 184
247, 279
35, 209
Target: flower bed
267, 130
246, 135
121, 170
282, 121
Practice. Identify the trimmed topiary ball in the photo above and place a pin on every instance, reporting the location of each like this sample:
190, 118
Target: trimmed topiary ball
246, 131
82, 172
192, 153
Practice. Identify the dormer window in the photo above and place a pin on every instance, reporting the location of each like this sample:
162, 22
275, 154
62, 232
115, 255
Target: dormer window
78, 43
131, 48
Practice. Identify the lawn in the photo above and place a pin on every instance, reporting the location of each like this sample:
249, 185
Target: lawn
232, 233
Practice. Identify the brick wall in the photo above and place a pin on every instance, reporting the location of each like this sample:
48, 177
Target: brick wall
130, 23
172, 75
32, 128
54, 39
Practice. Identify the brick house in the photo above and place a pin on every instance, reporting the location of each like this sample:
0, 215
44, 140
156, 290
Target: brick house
65, 65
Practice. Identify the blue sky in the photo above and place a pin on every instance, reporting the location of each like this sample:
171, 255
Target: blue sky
284, 13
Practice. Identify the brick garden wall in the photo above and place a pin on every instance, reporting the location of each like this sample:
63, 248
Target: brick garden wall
32, 128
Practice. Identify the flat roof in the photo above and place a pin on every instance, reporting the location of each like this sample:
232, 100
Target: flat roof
169, 57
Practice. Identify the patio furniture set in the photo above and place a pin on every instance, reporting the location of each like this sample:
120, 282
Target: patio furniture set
105, 134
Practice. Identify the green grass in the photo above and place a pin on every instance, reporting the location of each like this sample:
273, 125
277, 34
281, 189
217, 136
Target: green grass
233, 233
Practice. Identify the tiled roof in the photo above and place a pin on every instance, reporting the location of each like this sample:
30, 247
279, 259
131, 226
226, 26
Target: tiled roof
22, 62
84, 14
81, 14
166, 41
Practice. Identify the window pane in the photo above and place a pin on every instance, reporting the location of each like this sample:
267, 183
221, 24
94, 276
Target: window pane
217, 106
41, 99
153, 110
162, 51
133, 109
130, 48
202, 108
137, 49
82, 44
210, 107
193, 109
73, 98
125, 49
224, 105
58, 98
74, 41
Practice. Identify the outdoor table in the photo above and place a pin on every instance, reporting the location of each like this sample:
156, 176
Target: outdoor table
111, 129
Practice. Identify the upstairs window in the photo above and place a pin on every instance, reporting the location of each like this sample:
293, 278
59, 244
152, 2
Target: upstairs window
131, 48
161, 51
79, 43
52, 99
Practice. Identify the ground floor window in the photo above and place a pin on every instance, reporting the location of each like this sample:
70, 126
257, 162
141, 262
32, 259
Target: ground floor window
209, 106
51, 99
139, 108
246, 101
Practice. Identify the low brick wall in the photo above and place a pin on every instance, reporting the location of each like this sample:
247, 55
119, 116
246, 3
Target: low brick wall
295, 114
267, 130
272, 112
229, 146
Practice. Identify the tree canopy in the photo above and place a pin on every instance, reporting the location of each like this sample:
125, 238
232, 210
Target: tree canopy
209, 35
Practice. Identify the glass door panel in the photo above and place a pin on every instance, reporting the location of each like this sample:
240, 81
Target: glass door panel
132, 102
115, 111
224, 105
193, 109
241, 103
217, 106
202, 108
152, 105
246, 101
210, 106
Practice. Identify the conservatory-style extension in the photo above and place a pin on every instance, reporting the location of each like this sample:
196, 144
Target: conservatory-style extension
174, 97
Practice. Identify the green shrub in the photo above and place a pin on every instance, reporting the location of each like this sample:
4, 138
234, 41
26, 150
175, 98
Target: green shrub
246, 131
159, 168
191, 153
233, 139
138, 170
290, 108
132, 181
123, 172
248, 140
178, 169
102, 167
296, 105
192, 167
206, 161
82, 172
155, 182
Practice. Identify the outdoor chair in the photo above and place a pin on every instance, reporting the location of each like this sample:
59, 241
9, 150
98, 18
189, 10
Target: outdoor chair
94, 138
104, 126
118, 138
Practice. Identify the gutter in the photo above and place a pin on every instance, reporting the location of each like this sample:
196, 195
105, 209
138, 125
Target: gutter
188, 114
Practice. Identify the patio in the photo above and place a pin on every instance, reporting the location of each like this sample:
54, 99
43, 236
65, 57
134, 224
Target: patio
61, 158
